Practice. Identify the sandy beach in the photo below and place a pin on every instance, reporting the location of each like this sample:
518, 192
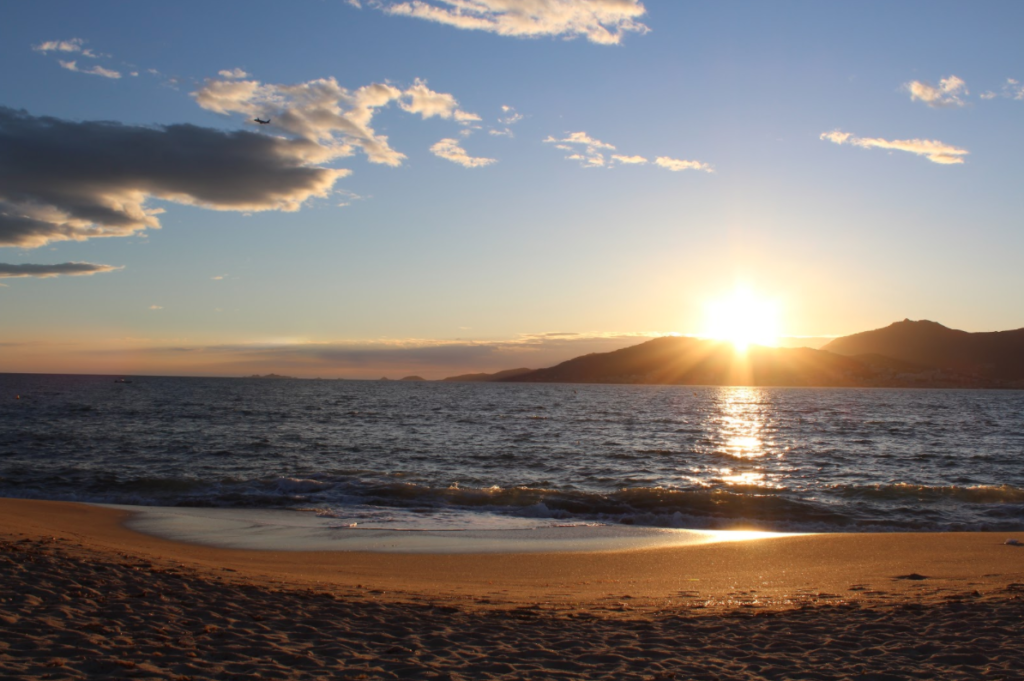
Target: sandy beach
81, 596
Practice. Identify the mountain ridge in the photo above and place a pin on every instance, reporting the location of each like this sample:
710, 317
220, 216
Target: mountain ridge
904, 354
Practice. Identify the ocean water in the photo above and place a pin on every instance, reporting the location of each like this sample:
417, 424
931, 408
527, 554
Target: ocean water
472, 456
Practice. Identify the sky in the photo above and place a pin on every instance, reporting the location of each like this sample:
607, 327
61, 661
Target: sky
454, 186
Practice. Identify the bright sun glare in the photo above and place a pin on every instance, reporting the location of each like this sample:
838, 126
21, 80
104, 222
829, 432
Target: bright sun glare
744, 320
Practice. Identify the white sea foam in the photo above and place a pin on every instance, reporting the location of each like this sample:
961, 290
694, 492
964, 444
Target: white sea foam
301, 486
263, 529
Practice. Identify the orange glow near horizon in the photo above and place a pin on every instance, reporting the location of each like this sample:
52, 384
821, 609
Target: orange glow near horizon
743, 319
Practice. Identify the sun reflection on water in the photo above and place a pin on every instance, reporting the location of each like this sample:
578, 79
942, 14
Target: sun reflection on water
741, 427
749, 479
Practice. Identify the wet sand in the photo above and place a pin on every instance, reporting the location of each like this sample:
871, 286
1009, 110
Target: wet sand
81, 596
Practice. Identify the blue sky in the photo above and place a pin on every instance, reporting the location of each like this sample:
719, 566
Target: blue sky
857, 163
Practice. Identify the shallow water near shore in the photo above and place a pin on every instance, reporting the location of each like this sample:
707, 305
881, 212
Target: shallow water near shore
279, 530
373, 455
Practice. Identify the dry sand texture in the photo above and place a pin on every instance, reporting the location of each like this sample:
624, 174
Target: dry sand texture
82, 598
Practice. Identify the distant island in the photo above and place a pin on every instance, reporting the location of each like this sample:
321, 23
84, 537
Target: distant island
278, 376
922, 354
412, 378
481, 378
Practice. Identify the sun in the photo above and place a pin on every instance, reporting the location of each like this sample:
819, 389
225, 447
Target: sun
743, 319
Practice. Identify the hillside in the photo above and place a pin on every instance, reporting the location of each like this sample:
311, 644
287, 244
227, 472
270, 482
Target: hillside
905, 354
995, 355
690, 361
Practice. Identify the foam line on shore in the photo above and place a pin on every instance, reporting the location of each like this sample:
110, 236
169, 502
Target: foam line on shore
283, 530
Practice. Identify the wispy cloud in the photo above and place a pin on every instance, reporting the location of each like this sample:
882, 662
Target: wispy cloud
949, 92
75, 269
511, 116
347, 197
599, 21
74, 45
583, 148
1012, 89
450, 150
334, 118
590, 152
934, 150
96, 70
234, 74
156, 307
676, 165
585, 139
62, 180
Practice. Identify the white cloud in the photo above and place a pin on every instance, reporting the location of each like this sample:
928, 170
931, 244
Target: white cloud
74, 269
934, 150
589, 152
599, 21
592, 153
336, 119
584, 138
592, 161
675, 165
1012, 89
508, 118
94, 71
466, 117
419, 99
72, 45
450, 150
235, 73
947, 93
511, 115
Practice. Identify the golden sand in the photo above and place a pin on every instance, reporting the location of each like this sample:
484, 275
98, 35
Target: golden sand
83, 597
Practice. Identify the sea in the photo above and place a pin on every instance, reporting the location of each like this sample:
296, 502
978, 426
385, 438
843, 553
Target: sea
395, 455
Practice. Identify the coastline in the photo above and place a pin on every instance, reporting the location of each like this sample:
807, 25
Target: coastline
781, 571
824, 581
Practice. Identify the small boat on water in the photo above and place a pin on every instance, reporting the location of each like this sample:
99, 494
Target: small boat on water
121, 380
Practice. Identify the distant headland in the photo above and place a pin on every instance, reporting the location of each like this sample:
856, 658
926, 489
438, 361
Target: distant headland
906, 354
922, 354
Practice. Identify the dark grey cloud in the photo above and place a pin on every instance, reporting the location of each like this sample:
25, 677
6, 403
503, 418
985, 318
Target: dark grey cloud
64, 180
68, 268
